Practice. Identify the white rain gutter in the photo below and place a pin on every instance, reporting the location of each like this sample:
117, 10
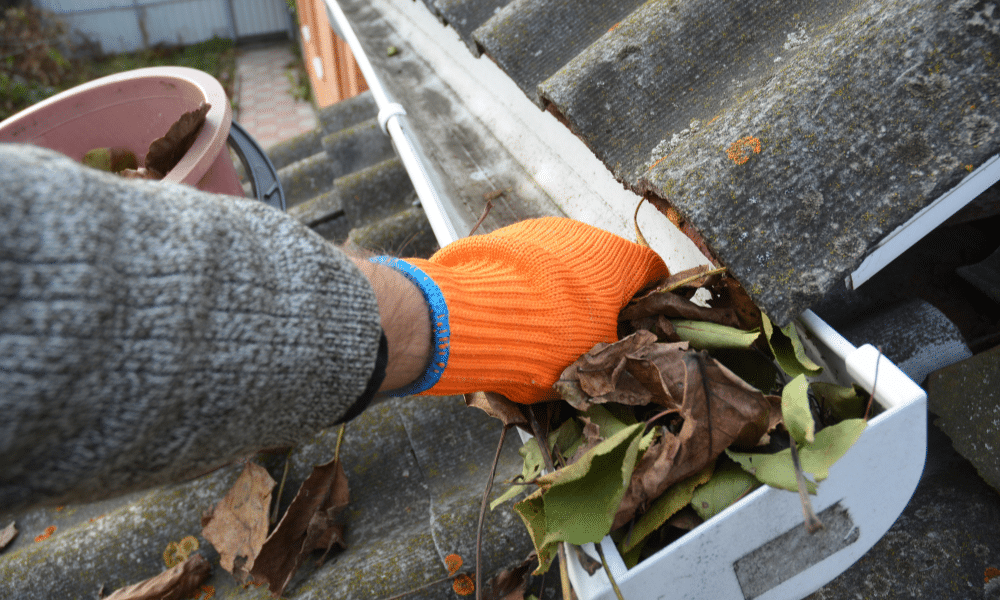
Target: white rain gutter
392, 120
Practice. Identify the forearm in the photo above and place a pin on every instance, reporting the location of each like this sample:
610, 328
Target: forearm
149, 332
405, 320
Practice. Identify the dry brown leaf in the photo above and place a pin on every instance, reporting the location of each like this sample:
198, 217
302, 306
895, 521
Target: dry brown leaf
659, 325
237, 525
7, 535
604, 374
165, 152
591, 437
729, 294
718, 408
173, 584
673, 305
497, 406
308, 524
511, 583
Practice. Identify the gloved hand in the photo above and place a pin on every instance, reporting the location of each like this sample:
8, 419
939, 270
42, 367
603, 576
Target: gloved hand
512, 309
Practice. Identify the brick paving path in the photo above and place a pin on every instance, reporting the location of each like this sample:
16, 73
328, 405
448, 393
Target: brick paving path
265, 104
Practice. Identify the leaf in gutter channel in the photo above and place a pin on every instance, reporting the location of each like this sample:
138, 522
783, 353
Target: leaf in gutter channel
498, 407
788, 349
728, 484
578, 502
602, 375
712, 336
164, 153
719, 410
795, 410
673, 305
309, 524
237, 525
675, 498
776, 470
173, 584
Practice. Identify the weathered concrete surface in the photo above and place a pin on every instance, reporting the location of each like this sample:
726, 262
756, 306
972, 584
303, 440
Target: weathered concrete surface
967, 398
407, 233
942, 544
375, 192
416, 467
915, 336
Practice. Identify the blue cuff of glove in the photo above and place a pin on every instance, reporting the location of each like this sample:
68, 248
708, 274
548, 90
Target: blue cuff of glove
439, 322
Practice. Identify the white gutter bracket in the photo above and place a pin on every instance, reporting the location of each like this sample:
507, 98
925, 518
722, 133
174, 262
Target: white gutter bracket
387, 112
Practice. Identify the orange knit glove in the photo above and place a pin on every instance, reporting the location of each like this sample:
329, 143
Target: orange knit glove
527, 300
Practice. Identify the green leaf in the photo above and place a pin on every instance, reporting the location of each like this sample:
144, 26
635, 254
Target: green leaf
705, 335
795, 410
728, 484
776, 470
788, 349
675, 498
609, 421
531, 468
581, 499
567, 438
532, 512
842, 402
631, 558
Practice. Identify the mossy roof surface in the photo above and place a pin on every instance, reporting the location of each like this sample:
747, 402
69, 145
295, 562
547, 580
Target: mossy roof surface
793, 135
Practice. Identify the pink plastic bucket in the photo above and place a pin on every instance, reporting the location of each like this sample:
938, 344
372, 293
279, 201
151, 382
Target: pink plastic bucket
130, 110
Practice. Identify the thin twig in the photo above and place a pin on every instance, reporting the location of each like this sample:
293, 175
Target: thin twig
813, 524
607, 571
340, 440
486, 211
482, 514
567, 591
281, 486
639, 238
871, 398
423, 587
536, 427
687, 280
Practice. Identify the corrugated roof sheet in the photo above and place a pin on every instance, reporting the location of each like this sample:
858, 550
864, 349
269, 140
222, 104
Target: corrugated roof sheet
792, 134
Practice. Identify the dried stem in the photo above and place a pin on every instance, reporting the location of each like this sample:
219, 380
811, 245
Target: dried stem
424, 587
486, 211
871, 398
281, 486
695, 277
547, 458
639, 238
482, 513
813, 524
607, 571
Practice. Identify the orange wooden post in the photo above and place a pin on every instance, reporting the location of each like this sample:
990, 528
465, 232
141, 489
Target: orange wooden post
333, 72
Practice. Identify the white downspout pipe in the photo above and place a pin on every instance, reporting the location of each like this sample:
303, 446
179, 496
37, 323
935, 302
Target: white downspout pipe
391, 118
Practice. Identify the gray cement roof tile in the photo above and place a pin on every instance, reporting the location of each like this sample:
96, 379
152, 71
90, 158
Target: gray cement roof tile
793, 135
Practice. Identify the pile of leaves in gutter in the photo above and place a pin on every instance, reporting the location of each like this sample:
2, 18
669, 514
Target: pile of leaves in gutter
694, 407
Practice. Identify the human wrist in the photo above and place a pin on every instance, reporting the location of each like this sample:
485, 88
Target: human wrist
405, 320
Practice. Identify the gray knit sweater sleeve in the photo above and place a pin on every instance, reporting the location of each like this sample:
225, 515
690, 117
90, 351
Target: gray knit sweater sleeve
150, 332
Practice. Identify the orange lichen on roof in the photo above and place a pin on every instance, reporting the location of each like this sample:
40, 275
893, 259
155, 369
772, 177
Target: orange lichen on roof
463, 585
48, 533
207, 590
991, 572
453, 562
742, 149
